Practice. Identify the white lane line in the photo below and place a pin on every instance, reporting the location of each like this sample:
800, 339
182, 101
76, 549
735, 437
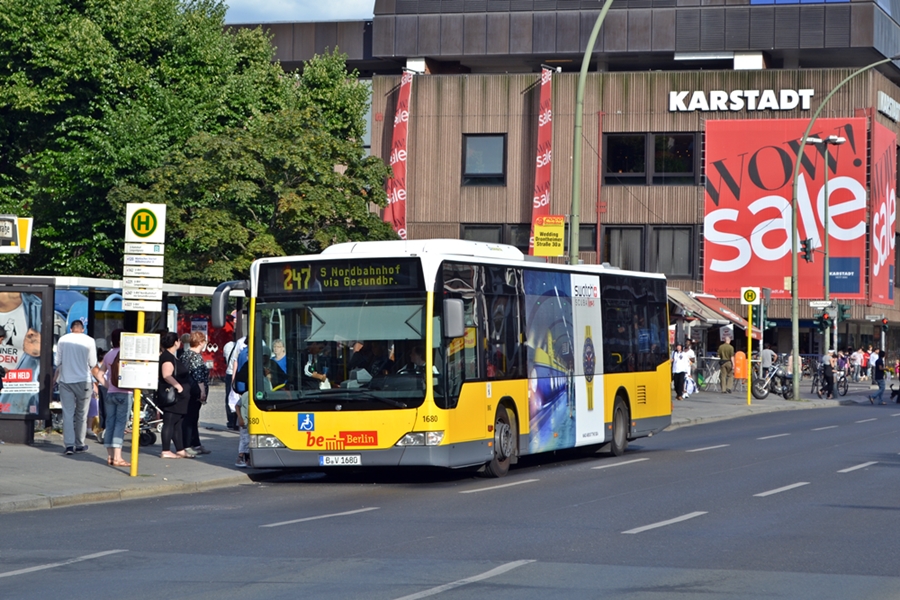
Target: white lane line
627, 462
708, 448
341, 514
824, 428
664, 523
769, 437
498, 487
867, 420
455, 584
783, 489
896, 415
862, 466
60, 564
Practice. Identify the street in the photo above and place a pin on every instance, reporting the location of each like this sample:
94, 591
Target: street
798, 504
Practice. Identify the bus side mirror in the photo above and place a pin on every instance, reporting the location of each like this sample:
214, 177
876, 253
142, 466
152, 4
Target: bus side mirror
220, 300
454, 318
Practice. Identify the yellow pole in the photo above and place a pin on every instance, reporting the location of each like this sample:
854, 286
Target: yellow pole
749, 350
136, 418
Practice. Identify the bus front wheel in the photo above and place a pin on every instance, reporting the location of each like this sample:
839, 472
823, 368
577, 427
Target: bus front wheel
620, 428
505, 435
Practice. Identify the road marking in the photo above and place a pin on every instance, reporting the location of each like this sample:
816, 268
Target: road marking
455, 584
349, 512
664, 523
60, 564
783, 489
867, 420
708, 448
896, 415
627, 462
862, 466
824, 428
497, 487
769, 437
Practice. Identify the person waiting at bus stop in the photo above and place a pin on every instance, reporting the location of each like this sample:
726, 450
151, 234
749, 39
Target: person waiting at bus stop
828, 365
726, 364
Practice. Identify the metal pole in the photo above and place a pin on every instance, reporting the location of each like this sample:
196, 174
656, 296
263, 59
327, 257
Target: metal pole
750, 352
827, 335
575, 218
795, 300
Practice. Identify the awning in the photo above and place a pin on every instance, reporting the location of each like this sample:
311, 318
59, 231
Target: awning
729, 314
692, 309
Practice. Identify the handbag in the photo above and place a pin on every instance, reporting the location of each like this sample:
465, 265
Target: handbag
167, 396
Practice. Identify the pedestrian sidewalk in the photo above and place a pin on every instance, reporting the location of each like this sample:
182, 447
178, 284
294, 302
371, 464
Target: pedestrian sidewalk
40, 476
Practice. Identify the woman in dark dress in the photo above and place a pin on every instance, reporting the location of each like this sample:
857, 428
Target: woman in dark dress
173, 373
192, 359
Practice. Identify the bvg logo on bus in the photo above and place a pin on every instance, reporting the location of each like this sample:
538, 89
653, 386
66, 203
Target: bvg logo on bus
343, 440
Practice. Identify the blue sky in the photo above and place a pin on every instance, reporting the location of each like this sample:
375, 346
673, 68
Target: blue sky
273, 11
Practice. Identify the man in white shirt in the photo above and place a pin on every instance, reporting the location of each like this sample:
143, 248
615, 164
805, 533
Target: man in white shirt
681, 366
231, 352
76, 364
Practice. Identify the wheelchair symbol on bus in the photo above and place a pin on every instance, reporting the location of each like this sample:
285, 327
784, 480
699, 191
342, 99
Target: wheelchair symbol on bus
306, 422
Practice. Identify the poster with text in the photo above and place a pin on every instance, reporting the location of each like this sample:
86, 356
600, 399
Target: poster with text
883, 215
748, 213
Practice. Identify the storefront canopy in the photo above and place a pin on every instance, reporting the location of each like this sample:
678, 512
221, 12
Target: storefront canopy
690, 308
729, 314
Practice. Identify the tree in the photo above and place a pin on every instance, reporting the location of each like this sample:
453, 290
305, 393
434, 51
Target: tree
97, 93
291, 181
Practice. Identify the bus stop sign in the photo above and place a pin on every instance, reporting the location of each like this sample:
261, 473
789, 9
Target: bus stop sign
145, 223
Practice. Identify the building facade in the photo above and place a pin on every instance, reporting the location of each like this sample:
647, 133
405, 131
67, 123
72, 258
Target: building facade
692, 117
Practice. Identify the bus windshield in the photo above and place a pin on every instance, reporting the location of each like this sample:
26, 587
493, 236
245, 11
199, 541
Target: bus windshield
366, 352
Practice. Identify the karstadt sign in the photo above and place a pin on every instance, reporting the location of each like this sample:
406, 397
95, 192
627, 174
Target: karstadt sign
738, 100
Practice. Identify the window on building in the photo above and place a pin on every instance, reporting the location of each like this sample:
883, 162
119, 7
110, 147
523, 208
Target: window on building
623, 247
518, 234
587, 237
671, 251
650, 159
484, 159
492, 234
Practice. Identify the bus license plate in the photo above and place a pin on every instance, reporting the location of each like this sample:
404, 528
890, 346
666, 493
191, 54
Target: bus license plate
344, 460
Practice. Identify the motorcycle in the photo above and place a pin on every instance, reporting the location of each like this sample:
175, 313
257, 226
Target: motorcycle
776, 381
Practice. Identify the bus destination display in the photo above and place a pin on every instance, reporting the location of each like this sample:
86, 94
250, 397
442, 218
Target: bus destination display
339, 276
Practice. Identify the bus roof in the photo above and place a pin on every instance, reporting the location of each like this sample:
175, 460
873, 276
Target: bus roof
420, 247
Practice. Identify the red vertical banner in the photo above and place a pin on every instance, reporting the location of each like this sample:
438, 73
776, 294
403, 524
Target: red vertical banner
882, 215
395, 213
541, 203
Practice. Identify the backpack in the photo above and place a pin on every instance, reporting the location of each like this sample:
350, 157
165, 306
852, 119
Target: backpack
114, 369
240, 375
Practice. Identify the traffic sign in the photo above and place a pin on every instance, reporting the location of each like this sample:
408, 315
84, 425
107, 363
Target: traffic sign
142, 282
137, 248
139, 271
145, 223
821, 303
141, 294
144, 305
874, 317
750, 295
145, 260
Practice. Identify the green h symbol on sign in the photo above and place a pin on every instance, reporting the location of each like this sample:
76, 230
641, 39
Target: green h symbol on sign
143, 222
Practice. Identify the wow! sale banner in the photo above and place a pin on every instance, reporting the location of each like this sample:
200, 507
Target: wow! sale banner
748, 213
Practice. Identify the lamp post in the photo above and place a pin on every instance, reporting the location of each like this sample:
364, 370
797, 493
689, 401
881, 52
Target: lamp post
831, 140
795, 300
575, 218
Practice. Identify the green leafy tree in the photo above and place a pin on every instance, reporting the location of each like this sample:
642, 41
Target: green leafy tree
97, 93
286, 182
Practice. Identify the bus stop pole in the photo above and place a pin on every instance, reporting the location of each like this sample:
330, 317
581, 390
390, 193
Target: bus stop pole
136, 413
749, 351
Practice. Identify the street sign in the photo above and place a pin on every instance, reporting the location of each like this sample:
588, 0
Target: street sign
145, 248
750, 295
144, 305
874, 317
145, 223
145, 260
138, 271
141, 294
821, 303
142, 282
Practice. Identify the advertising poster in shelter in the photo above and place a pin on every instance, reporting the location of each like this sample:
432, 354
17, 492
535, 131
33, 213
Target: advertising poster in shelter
748, 213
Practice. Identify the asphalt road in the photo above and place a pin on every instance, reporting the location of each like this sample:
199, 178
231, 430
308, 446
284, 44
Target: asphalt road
798, 504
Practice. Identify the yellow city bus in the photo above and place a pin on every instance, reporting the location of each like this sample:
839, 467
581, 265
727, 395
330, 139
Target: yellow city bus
448, 353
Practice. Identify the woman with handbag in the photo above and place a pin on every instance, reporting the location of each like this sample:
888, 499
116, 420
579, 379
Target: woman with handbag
174, 395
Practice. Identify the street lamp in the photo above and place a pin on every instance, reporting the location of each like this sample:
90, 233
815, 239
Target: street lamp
831, 140
575, 218
795, 300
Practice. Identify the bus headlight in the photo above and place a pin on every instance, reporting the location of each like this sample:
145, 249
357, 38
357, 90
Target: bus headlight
265, 441
422, 438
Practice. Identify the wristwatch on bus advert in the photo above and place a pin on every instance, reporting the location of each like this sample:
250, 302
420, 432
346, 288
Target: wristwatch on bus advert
589, 360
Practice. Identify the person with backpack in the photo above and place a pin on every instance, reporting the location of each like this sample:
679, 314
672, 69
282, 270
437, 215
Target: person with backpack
115, 404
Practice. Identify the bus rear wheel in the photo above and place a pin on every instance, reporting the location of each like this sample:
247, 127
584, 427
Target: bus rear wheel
505, 435
620, 428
